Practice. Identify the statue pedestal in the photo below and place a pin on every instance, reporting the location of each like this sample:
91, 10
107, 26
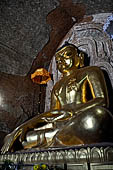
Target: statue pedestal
87, 157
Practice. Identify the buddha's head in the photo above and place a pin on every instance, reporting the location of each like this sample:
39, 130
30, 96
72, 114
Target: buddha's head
68, 58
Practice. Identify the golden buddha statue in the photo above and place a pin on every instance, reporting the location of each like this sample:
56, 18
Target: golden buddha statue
78, 112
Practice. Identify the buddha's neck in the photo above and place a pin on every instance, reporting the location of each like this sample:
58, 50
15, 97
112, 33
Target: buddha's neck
69, 72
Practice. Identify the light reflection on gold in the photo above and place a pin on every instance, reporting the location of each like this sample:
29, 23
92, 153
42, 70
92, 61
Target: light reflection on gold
89, 122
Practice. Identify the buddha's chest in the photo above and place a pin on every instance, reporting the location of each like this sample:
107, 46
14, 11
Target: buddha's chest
70, 89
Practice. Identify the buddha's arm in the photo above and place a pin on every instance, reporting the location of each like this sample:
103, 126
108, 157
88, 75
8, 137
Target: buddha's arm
98, 87
55, 103
55, 114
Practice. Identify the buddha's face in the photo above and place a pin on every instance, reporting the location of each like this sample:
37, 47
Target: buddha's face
66, 58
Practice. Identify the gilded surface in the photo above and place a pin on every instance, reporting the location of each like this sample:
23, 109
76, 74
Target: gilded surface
77, 115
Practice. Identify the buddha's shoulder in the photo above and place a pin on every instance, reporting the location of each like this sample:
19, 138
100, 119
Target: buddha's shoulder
90, 69
60, 83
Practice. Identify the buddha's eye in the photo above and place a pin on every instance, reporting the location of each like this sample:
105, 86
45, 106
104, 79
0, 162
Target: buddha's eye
58, 57
68, 53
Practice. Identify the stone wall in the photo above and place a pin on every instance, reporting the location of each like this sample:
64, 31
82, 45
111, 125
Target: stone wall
24, 31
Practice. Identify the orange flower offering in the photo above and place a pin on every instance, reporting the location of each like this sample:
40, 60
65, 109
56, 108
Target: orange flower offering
41, 76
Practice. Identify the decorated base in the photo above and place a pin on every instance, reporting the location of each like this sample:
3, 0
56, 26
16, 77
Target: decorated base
98, 156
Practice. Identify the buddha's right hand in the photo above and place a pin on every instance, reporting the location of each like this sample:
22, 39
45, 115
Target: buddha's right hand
48, 117
20, 133
12, 137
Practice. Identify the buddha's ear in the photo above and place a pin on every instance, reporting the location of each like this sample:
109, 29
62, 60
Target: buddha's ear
77, 60
81, 56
